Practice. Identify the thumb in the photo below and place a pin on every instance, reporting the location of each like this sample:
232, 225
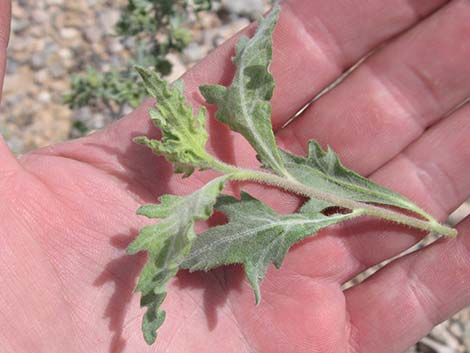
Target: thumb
8, 162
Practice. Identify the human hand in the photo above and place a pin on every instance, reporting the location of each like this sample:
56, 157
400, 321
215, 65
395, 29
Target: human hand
69, 210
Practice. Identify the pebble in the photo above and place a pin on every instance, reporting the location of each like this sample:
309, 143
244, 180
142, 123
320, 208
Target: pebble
44, 97
251, 8
107, 20
194, 52
178, 68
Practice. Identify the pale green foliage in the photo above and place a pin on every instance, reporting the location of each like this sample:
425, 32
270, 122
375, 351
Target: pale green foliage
255, 236
150, 30
244, 105
184, 134
323, 170
167, 243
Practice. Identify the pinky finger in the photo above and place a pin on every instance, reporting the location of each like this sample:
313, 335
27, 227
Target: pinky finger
402, 302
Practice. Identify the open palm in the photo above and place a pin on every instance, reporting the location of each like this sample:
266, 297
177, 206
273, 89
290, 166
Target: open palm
68, 211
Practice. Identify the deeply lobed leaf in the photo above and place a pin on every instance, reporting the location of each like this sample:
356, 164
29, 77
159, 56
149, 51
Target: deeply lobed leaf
184, 135
255, 236
244, 105
167, 243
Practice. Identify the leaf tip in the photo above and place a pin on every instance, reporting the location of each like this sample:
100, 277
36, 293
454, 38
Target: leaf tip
140, 69
257, 297
131, 249
213, 93
141, 140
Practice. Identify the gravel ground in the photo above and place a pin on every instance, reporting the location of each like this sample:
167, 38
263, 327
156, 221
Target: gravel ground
53, 38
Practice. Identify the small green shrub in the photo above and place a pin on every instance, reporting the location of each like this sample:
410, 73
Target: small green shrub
156, 28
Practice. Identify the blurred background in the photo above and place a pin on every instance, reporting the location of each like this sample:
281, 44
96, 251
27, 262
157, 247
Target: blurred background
69, 72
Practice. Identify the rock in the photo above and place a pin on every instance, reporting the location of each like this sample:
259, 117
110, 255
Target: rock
92, 34
70, 33
21, 45
58, 86
39, 59
39, 16
178, 68
36, 32
67, 57
55, 65
194, 52
115, 47
18, 11
44, 97
11, 66
248, 8
20, 25
107, 20
208, 20
24, 113
91, 118
234, 27
41, 76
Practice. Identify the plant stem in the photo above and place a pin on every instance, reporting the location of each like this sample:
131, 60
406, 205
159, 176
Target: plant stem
292, 185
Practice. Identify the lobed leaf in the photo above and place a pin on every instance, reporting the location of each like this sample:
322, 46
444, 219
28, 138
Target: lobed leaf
255, 236
184, 135
168, 242
323, 170
244, 105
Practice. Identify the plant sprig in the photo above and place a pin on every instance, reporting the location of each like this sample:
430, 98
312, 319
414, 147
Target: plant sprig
255, 235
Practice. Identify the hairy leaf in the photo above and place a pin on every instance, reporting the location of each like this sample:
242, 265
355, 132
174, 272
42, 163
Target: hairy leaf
184, 135
255, 236
168, 242
244, 105
323, 170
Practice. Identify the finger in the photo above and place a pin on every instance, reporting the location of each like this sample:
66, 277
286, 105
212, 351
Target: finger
5, 15
395, 95
433, 172
8, 162
411, 295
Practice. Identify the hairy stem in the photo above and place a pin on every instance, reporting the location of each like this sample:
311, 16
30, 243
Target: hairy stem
292, 185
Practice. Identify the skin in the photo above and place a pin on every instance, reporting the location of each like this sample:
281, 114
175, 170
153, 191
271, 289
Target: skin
68, 210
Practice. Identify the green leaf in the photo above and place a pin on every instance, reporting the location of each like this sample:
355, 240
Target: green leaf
244, 105
255, 236
184, 135
168, 242
322, 170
